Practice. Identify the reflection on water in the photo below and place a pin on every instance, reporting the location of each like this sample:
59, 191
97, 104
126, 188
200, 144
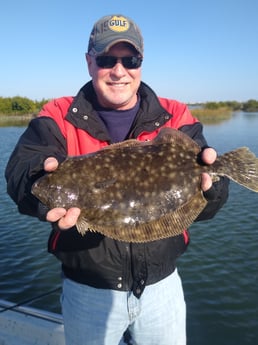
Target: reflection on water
219, 270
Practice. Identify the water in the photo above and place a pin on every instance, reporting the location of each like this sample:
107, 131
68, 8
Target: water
26, 269
219, 270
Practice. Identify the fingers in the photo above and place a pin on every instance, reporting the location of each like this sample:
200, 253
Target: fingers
69, 219
55, 214
209, 155
66, 218
206, 182
50, 164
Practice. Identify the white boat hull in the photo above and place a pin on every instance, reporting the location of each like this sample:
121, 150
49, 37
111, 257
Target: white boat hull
29, 326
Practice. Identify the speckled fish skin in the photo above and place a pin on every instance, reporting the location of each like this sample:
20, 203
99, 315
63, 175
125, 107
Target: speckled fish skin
141, 191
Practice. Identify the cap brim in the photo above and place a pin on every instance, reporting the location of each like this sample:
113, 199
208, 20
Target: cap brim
103, 49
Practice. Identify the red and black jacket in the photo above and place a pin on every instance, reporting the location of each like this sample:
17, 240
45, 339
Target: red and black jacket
70, 126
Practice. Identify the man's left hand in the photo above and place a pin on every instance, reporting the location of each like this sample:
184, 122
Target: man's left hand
209, 156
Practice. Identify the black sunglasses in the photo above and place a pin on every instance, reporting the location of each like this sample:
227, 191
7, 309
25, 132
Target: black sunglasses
129, 62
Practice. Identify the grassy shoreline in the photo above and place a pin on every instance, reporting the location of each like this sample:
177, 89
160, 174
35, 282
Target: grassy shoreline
15, 120
210, 116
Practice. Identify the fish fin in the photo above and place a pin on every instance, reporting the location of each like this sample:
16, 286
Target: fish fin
171, 224
166, 135
82, 226
174, 223
126, 143
171, 135
241, 166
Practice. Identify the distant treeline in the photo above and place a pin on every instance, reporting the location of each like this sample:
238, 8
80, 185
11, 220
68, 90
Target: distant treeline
25, 106
249, 106
20, 106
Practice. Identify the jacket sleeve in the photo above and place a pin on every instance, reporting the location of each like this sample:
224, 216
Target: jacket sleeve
217, 195
42, 139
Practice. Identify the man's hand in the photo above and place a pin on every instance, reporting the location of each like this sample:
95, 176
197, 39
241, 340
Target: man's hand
209, 156
50, 164
65, 218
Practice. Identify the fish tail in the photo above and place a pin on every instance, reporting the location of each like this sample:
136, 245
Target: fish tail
241, 166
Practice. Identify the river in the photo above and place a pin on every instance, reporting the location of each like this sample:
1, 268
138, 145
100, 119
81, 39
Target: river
219, 270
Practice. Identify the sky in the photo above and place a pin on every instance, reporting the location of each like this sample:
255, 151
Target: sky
195, 50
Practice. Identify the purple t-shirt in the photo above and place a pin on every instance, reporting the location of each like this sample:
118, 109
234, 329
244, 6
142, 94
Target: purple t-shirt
118, 122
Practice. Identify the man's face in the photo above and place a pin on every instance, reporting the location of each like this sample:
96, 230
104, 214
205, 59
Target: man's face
115, 87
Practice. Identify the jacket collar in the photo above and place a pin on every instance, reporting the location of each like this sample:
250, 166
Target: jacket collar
150, 116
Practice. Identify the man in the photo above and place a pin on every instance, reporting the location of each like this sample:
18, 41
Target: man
110, 286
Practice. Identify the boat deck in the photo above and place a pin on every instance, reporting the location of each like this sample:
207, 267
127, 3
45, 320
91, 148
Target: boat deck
20, 325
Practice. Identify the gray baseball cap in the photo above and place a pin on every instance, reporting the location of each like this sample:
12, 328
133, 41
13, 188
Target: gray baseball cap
113, 29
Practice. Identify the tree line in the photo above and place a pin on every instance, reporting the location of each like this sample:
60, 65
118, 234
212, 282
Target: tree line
24, 106
250, 106
20, 105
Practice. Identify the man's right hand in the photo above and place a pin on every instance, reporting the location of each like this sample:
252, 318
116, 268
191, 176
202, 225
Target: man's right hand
65, 218
50, 164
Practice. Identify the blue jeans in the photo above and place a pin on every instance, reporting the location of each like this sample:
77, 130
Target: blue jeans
100, 317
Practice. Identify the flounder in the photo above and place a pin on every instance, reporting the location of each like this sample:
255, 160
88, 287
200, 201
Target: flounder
141, 191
